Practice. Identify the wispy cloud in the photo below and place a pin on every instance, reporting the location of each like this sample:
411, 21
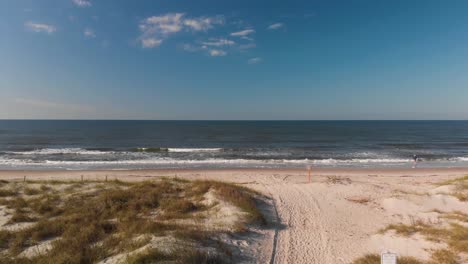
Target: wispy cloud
150, 42
89, 33
203, 23
217, 53
155, 29
38, 27
254, 60
82, 3
275, 26
243, 33
218, 42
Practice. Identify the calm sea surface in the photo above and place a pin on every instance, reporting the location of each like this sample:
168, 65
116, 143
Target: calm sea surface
233, 144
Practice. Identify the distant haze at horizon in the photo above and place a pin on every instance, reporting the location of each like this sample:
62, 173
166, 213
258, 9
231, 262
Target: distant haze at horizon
295, 60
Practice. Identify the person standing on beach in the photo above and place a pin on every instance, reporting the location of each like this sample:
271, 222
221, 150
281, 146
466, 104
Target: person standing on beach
415, 161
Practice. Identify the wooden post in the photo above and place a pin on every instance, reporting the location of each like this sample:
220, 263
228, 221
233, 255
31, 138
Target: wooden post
309, 171
106, 178
81, 177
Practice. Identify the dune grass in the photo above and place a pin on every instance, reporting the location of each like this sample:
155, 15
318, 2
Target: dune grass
454, 181
375, 259
455, 235
338, 180
87, 225
234, 194
441, 256
183, 256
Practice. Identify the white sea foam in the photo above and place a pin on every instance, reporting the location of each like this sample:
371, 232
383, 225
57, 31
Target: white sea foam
194, 149
4, 161
52, 151
204, 161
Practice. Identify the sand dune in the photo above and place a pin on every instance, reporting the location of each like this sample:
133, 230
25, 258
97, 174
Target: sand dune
334, 219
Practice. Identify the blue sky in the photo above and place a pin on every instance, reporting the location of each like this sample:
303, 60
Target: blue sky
148, 59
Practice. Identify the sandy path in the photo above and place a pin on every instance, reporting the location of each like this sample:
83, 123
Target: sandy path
319, 225
315, 222
315, 227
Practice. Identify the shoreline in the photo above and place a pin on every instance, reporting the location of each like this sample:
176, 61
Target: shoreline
373, 171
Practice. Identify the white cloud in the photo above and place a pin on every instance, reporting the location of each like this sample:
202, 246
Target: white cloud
254, 60
217, 53
150, 42
164, 25
275, 26
89, 33
203, 23
82, 3
155, 29
37, 27
247, 38
219, 42
243, 33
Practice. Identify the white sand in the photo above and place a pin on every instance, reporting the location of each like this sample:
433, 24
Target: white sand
316, 222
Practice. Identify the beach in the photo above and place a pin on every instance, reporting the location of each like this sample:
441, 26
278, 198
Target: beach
337, 217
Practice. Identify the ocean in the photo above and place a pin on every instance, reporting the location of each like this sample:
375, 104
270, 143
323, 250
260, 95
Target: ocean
73, 145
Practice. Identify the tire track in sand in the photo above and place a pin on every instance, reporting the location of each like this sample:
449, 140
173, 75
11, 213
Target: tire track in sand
304, 238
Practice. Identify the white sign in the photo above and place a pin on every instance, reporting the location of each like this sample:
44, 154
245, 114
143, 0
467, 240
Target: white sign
388, 258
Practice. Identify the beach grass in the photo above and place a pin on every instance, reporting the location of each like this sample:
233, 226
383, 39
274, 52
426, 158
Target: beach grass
375, 259
86, 224
440, 256
454, 235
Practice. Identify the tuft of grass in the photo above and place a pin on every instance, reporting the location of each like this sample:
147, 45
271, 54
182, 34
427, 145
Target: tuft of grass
462, 196
236, 195
443, 256
454, 181
5, 237
178, 208
338, 180
20, 216
17, 203
45, 188
183, 256
375, 259
455, 236
359, 199
6, 193
47, 205
368, 259
455, 215
31, 191
461, 187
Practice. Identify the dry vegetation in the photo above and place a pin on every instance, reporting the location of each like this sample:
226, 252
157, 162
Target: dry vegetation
93, 221
441, 256
338, 180
451, 230
460, 187
359, 199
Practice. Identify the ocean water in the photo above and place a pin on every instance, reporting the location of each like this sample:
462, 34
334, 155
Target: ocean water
26, 144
